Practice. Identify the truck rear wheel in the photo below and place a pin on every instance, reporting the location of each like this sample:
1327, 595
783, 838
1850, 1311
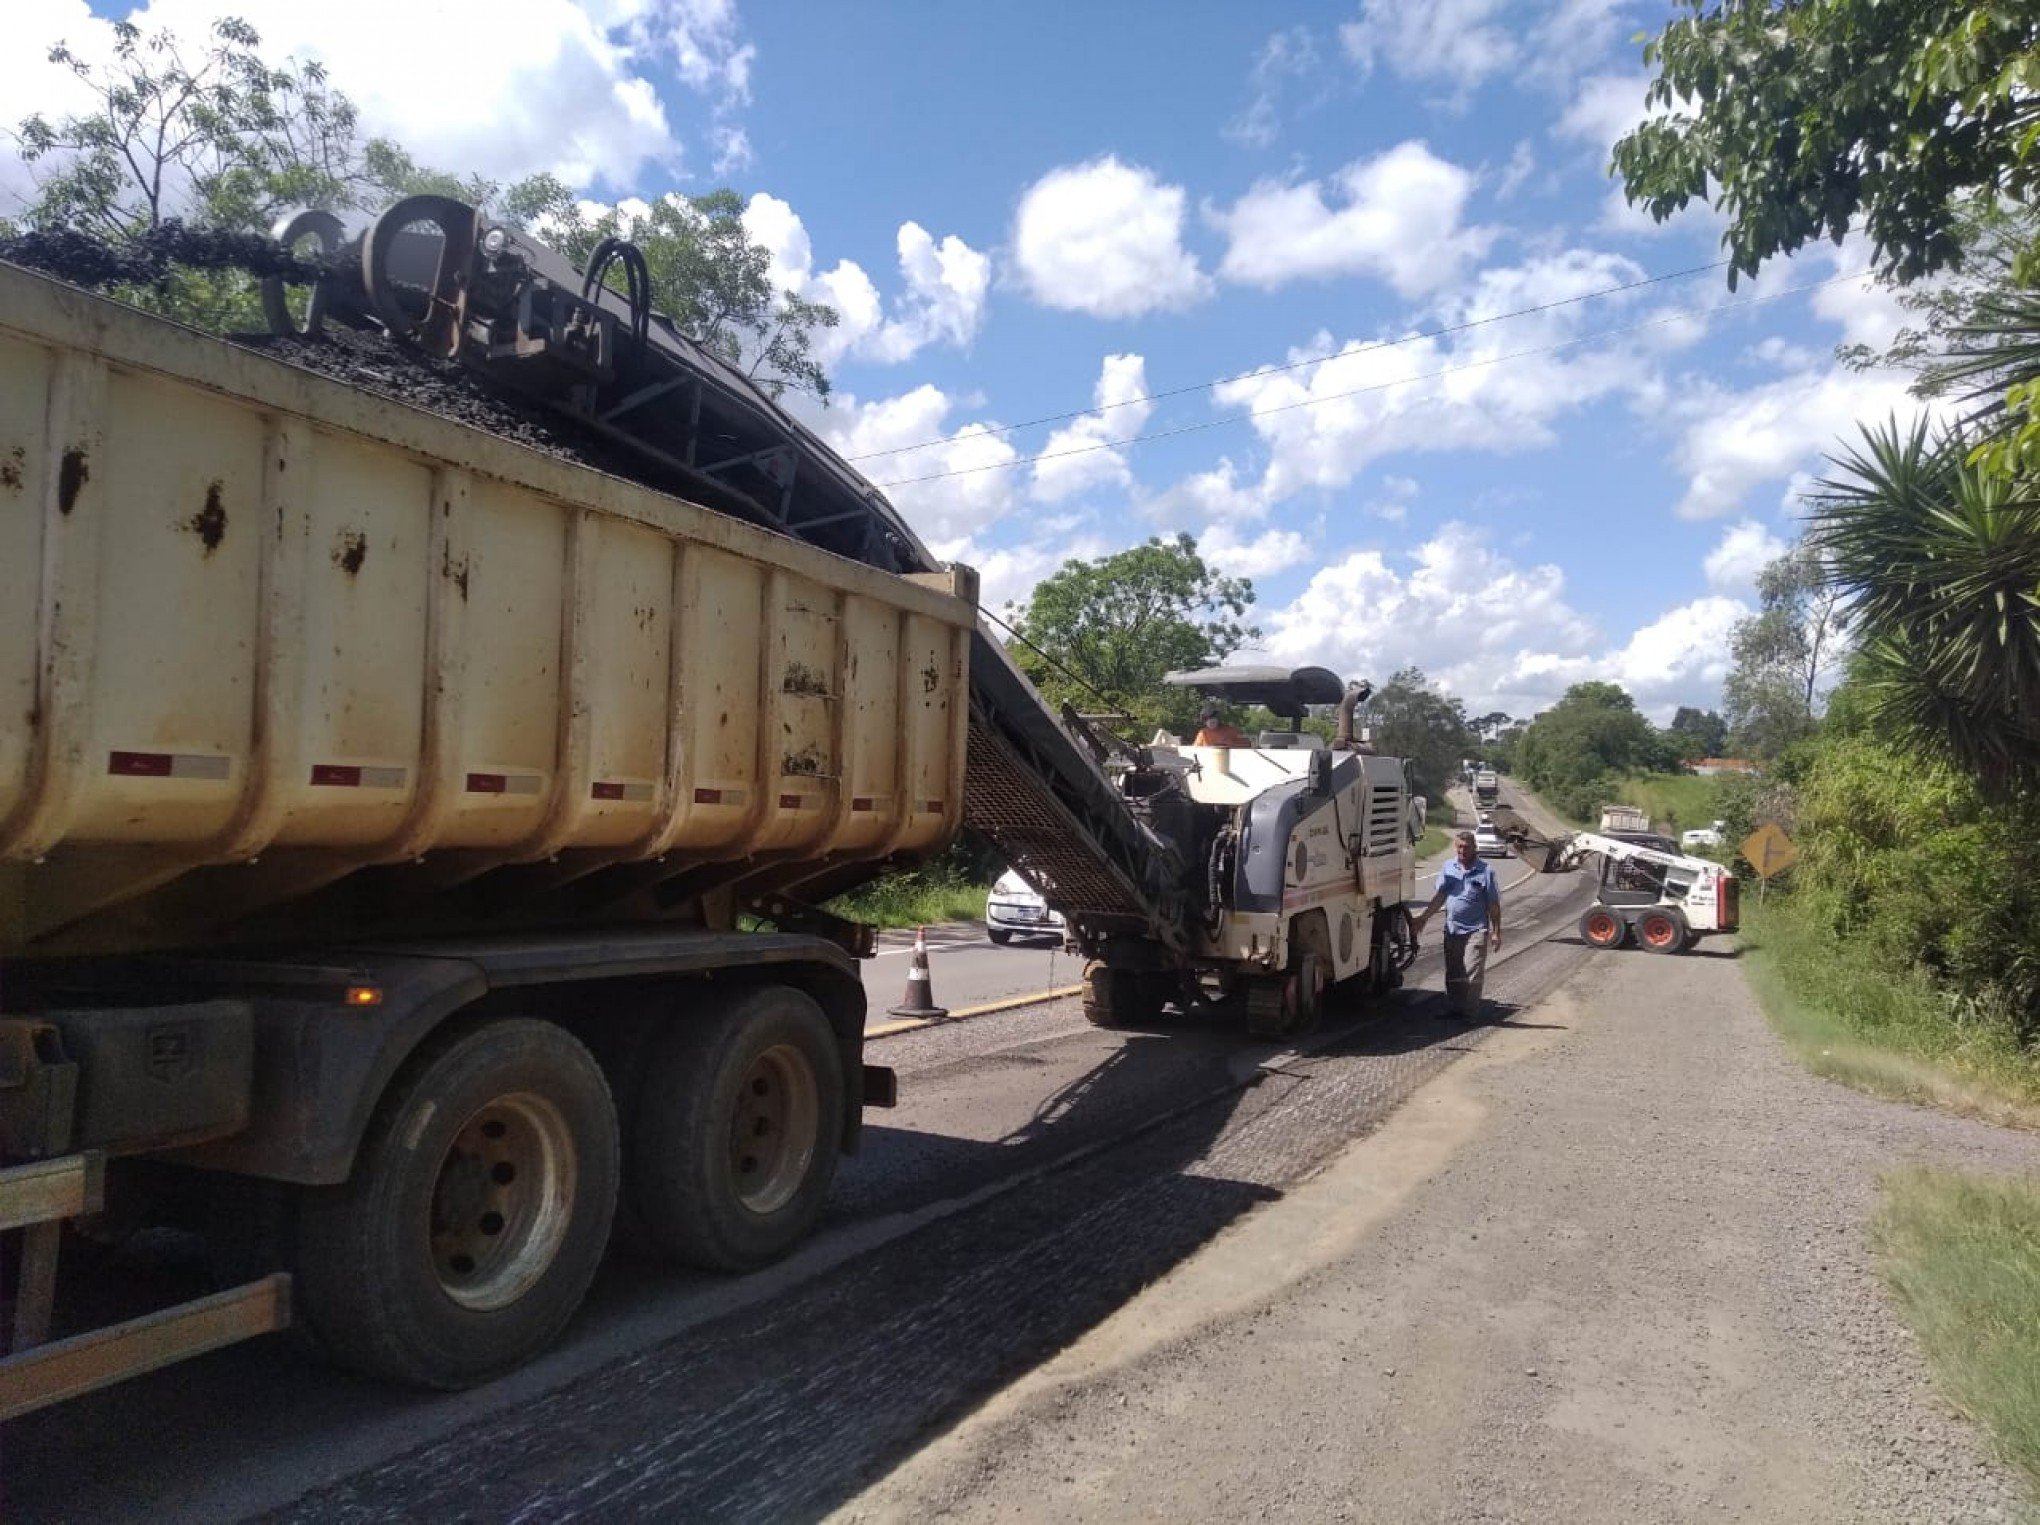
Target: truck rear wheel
738, 1129
1122, 997
476, 1215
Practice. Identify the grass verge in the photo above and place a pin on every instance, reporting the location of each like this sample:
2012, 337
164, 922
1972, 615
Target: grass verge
1855, 1023
912, 900
1961, 1255
1440, 822
1675, 802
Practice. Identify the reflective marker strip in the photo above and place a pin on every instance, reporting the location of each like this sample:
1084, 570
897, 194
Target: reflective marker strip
718, 796
863, 802
798, 802
502, 783
931, 807
168, 765
610, 789
353, 776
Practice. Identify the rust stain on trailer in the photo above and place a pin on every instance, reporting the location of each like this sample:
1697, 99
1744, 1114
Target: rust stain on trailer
350, 551
72, 476
12, 468
210, 522
458, 575
803, 679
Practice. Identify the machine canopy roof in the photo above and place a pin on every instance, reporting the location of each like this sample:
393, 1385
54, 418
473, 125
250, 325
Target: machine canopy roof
1285, 690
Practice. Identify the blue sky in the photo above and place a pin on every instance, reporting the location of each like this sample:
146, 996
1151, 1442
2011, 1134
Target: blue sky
1263, 212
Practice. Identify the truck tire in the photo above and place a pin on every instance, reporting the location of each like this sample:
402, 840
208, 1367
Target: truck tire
738, 1129
1291, 1005
1602, 928
1123, 997
999, 935
1392, 948
1662, 929
476, 1215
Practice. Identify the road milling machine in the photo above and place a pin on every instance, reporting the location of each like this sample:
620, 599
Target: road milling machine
1663, 901
1301, 854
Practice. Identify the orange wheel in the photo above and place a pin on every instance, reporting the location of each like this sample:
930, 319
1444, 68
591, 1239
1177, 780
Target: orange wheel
1661, 931
1601, 928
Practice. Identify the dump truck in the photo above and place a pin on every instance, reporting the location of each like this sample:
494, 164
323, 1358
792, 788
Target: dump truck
1487, 788
414, 842
1624, 818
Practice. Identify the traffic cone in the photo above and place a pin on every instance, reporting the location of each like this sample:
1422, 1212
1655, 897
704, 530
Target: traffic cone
919, 1001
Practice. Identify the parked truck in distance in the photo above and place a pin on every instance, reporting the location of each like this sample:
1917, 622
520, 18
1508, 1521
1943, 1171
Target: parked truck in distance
1624, 818
1487, 788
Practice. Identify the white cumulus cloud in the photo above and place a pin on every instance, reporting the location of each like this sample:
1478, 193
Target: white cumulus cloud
1746, 548
1105, 238
942, 302
546, 85
968, 483
1498, 634
1461, 41
1078, 456
1395, 216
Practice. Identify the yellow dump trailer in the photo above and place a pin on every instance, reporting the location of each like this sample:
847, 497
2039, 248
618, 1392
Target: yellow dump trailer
380, 806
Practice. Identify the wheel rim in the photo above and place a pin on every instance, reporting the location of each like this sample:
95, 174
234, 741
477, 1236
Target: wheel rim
1658, 932
774, 1128
502, 1201
1601, 929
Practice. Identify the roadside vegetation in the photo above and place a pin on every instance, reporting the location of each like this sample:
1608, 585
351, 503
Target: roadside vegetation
1903, 954
1962, 1257
1439, 826
919, 897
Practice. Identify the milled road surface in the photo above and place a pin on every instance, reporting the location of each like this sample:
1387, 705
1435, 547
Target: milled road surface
1613, 1268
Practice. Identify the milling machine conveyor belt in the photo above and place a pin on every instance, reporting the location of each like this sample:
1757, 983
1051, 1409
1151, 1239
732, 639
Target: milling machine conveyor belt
1048, 807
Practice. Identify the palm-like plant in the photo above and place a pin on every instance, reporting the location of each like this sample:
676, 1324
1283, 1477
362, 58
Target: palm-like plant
1941, 556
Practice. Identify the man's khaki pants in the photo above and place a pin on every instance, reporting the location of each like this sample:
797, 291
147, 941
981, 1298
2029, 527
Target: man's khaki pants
1465, 969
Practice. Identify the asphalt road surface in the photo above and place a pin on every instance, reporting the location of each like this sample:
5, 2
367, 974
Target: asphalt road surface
1038, 1173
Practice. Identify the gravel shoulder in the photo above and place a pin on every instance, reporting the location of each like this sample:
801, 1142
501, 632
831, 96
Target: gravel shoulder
1614, 1265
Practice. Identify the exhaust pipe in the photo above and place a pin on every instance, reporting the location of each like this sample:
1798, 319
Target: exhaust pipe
1356, 695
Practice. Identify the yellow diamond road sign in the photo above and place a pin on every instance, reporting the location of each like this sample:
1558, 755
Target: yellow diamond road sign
1769, 850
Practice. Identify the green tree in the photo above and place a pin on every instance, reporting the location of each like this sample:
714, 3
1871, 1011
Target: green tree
1410, 718
707, 274
215, 135
1699, 733
1571, 752
226, 140
1111, 628
1781, 654
1941, 555
1803, 119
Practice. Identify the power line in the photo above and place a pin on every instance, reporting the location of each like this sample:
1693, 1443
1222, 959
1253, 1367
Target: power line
1379, 386
1270, 370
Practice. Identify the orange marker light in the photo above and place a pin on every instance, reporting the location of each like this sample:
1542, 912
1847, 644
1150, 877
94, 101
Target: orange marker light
364, 995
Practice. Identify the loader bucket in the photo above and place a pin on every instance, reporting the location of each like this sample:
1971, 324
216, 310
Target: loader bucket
1537, 852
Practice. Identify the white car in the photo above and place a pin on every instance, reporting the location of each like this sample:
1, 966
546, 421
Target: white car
1703, 836
1490, 843
1013, 909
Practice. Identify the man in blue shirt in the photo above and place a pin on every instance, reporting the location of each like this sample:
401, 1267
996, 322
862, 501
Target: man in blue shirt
1473, 922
